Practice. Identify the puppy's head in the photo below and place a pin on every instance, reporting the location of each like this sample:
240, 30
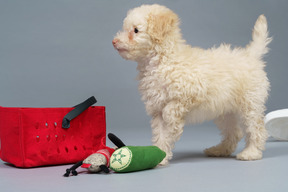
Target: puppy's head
144, 29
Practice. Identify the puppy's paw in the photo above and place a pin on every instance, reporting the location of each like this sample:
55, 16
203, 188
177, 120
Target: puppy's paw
164, 162
249, 155
217, 151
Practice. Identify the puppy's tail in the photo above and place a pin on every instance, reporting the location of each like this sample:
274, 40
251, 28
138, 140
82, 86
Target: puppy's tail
260, 39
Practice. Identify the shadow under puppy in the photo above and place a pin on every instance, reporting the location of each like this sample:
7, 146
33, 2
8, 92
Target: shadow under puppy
183, 84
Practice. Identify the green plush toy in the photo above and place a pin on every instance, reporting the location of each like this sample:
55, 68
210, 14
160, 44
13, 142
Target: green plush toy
134, 158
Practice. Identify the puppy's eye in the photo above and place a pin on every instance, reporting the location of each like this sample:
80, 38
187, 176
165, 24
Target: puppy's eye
136, 30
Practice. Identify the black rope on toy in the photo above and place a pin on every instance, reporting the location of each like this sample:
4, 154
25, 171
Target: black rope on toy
104, 168
116, 140
73, 169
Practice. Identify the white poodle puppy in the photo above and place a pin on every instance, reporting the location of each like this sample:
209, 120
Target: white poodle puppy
183, 84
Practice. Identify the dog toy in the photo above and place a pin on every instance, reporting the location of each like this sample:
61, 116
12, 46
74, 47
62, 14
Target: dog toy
96, 162
124, 159
134, 158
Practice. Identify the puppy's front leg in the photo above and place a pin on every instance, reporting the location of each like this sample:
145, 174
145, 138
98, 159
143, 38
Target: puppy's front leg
160, 136
167, 127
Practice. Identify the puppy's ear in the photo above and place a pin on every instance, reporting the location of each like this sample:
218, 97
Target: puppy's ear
162, 24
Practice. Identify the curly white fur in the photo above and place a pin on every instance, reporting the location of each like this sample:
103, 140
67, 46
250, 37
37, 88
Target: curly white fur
181, 84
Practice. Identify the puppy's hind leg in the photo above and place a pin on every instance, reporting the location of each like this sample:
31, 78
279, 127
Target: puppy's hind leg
256, 136
231, 131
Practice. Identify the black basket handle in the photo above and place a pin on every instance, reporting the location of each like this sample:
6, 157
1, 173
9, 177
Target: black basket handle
78, 109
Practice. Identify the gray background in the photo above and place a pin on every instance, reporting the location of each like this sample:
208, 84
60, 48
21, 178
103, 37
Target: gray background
59, 52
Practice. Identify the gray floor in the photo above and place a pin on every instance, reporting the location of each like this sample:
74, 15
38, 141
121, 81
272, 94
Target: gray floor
190, 170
